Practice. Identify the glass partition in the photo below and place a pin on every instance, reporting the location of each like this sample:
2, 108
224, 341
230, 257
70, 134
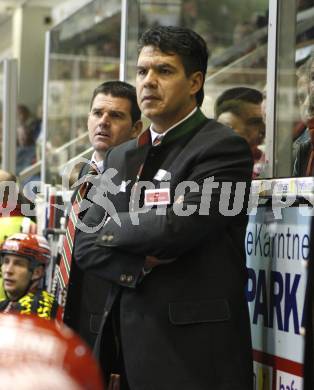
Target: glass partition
294, 96
84, 52
236, 35
9, 88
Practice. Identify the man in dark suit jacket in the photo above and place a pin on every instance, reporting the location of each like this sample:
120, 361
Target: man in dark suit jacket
176, 316
114, 118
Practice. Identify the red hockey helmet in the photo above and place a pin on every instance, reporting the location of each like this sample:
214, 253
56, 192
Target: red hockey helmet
45, 353
32, 246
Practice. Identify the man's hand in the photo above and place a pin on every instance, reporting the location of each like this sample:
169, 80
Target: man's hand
152, 262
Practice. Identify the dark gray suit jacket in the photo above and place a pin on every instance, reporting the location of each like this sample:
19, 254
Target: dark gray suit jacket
185, 325
86, 297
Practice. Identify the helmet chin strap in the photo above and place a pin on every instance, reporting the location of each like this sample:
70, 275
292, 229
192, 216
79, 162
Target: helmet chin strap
32, 285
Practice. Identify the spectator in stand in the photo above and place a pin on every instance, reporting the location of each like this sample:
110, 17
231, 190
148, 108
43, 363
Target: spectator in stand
37, 125
242, 31
300, 131
241, 109
304, 162
26, 148
26, 145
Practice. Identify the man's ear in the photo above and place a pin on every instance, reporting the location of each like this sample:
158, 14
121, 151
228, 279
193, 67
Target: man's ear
136, 129
38, 273
196, 82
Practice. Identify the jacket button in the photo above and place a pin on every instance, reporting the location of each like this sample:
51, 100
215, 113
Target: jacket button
110, 238
104, 237
129, 278
122, 278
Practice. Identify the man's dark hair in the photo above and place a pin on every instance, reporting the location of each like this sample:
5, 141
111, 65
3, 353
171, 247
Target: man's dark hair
119, 89
244, 94
187, 44
233, 106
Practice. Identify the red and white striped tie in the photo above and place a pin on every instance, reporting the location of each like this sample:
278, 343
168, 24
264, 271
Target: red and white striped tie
63, 271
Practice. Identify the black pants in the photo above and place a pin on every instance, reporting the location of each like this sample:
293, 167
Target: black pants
112, 361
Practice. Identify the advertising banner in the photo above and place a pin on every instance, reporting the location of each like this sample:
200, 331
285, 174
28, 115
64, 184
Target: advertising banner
277, 255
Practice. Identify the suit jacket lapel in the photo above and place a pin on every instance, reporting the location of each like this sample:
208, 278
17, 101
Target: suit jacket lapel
134, 160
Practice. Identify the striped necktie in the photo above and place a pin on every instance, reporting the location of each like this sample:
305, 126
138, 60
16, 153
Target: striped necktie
63, 271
